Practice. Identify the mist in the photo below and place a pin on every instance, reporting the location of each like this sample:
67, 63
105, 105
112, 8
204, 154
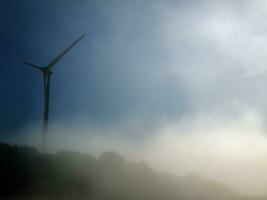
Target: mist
231, 151
179, 85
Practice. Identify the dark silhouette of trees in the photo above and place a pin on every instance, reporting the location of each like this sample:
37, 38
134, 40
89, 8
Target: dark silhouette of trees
27, 174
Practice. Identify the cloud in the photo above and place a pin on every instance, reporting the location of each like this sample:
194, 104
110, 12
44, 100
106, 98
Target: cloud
178, 84
232, 151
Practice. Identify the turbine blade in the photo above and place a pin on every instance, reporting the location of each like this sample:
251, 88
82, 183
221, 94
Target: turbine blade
32, 65
56, 59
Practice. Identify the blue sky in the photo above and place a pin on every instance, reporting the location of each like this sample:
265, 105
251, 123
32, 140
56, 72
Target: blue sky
146, 60
111, 74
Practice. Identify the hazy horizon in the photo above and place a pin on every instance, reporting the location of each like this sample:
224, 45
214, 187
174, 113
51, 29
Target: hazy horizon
231, 152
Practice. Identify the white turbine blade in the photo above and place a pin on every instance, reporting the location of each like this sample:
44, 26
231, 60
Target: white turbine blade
32, 65
56, 59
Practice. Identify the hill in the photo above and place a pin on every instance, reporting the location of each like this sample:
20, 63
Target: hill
27, 174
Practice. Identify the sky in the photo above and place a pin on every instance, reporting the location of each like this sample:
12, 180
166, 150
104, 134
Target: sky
180, 84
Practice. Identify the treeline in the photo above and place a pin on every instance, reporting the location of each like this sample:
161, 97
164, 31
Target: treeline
27, 174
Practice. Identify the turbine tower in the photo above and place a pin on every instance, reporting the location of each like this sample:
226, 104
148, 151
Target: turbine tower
47, 72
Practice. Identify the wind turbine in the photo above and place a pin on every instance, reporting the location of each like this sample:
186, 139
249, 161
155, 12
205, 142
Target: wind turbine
47, 72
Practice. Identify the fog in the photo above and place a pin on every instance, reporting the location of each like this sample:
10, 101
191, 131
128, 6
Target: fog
232, 151
181, 86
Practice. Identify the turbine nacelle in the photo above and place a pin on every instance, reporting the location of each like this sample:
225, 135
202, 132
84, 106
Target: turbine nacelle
46, 70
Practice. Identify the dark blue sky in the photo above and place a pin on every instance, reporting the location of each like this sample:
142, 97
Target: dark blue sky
142, 62
110, 75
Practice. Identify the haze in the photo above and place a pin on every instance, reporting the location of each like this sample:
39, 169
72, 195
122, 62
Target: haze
179, 84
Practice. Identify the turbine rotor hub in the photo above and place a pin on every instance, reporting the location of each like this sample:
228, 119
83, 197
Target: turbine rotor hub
47, 71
